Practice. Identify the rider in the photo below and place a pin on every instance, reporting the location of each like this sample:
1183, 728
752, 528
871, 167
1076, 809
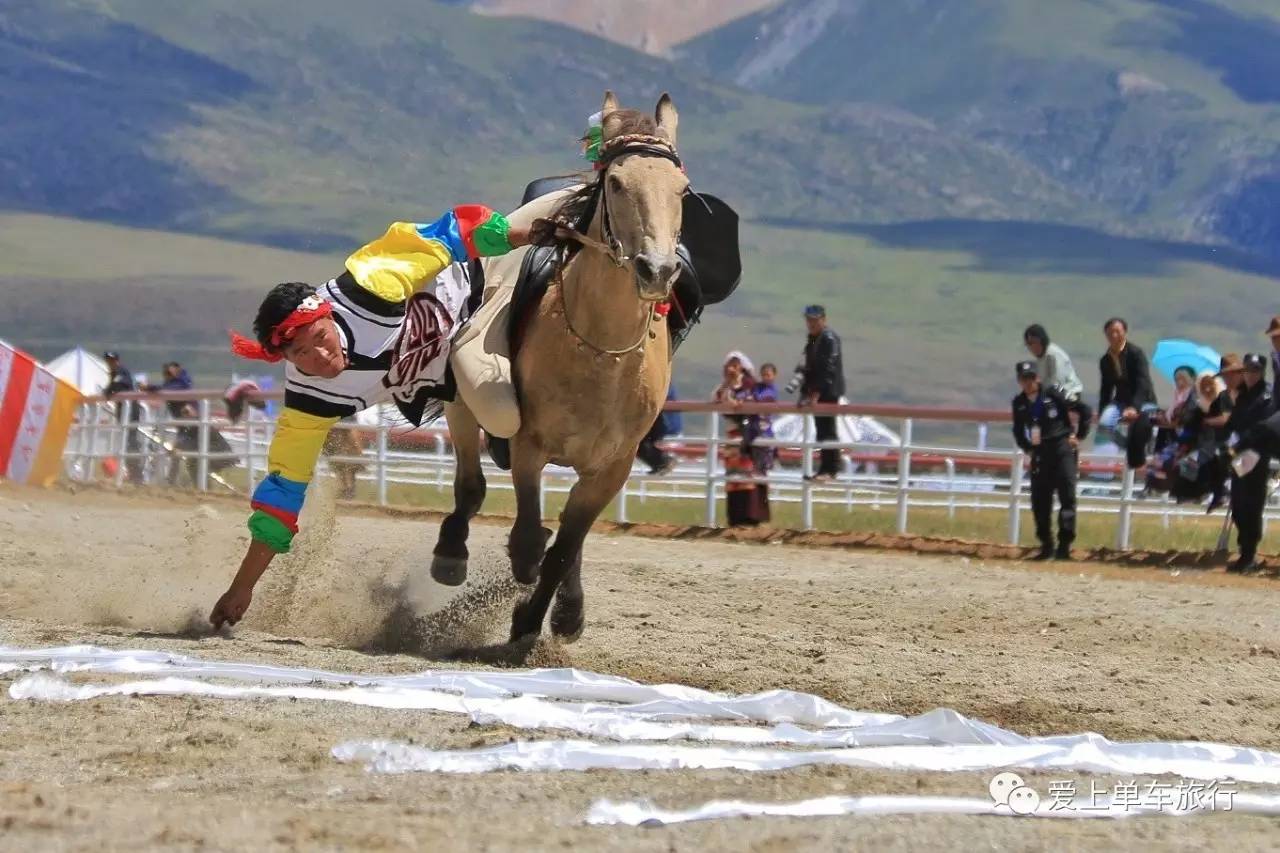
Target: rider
381, 331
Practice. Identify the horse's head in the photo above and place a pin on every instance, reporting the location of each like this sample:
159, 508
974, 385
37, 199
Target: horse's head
643, 186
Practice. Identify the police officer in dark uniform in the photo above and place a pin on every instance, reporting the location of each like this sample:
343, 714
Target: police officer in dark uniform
1249, 492
1042, 428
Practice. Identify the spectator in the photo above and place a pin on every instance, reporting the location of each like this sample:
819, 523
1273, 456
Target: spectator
1253, 405
237, 395
187, 440
761, 426
746, 502
120, 379
1043, 428
1273, 332
667, 423
1053, 365
823, 382
1169, 421
1127, 399
1202, 435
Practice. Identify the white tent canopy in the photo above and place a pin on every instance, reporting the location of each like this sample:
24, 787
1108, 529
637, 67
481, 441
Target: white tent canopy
82, 369
849, 428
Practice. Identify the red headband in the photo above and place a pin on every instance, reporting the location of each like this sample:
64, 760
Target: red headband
308, 311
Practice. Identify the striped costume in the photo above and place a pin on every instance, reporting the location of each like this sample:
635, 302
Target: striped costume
396, 307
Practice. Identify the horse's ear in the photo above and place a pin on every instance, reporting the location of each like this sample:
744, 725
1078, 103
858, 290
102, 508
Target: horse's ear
610, 103
667, 117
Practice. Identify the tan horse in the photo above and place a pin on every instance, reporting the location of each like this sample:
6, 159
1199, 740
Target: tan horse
593, 367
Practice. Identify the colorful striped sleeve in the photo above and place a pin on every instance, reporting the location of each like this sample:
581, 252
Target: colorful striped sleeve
402, 261
291, 462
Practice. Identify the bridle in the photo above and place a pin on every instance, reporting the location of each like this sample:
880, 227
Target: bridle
610, 246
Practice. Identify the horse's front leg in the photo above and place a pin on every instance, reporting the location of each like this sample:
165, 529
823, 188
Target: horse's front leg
449, 561
527, 541
560, 575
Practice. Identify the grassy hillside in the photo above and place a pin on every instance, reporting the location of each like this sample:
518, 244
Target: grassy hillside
931, 313
1163, 111
152, 295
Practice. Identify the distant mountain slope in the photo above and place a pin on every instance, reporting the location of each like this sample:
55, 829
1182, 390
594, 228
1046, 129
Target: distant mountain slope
1164, 111
308, 125
649, 25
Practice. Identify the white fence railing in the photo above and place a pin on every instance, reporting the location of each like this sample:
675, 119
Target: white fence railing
135, 437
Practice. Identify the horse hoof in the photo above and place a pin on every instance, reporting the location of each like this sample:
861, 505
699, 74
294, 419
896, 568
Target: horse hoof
520, 627
450, 571
567, 621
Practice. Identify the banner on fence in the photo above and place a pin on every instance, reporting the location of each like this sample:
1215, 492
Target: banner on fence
36, 410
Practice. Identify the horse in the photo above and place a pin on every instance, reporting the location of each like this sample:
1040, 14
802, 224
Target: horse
592, 368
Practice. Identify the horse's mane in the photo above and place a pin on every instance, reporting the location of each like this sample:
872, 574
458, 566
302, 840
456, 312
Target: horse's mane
570, 212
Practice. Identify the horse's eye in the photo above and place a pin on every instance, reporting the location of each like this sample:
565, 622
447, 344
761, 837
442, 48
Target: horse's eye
615, 183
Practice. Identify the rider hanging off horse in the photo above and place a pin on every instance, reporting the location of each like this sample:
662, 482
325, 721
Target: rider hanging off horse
456, 315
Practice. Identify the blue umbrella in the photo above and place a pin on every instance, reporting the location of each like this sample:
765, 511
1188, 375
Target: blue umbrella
1174, 353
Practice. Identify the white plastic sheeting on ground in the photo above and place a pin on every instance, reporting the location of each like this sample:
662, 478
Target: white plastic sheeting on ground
640, 813
1084, 753
641, 720
642, 702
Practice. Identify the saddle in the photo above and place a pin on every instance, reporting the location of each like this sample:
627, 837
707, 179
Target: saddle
710, 263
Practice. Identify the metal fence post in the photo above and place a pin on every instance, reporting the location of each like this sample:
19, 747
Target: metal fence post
250, 453
713, 459
904, 475
202, 467
622, 502
1126, 509
82, 445
91, 471
951, 487
123, 413
808, 428
1015, 496
382, 463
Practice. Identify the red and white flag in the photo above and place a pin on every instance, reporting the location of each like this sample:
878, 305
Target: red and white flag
36, 410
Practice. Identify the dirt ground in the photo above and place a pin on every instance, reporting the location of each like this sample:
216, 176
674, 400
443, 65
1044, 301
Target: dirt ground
1132, 653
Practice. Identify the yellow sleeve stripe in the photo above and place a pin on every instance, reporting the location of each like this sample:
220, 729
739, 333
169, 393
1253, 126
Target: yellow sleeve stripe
297, 443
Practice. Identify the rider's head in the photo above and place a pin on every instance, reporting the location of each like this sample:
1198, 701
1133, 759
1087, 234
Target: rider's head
313, 345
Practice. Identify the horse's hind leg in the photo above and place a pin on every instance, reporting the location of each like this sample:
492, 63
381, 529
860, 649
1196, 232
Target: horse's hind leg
563, 562
449, 563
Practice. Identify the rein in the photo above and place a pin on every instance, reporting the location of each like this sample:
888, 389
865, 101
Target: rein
611, 247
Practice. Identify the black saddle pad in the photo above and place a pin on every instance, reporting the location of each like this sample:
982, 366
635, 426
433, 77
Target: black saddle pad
710, 236
536, 271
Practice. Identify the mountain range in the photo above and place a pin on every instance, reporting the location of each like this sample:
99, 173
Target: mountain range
1016, 158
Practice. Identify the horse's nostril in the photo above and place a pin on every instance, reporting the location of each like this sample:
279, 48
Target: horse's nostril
644, 268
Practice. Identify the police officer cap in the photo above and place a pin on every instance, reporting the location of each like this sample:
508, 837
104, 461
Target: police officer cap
815, 311
1026, 369
1254, 361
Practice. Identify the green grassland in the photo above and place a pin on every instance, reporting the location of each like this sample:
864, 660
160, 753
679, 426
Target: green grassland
931, 313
